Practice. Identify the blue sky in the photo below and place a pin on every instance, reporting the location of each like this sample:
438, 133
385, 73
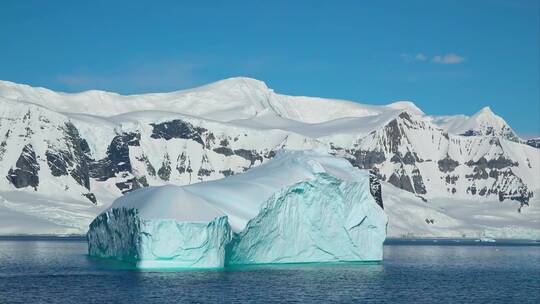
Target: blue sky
448, 57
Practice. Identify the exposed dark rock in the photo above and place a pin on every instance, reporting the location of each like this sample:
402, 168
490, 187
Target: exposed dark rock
396, 158
375, 171
132, 184
74, 160
408, 159
451, 179
470, 133
227, 172
183, 164
335, 148
478, 173
165, 171
447, 164
224, 150
366, 159
91, 197
117, 159
250, 155
393, 136
418, 182
3, 145
270, 154
205, 169
210, 140
204, 172
149, 168
224, 142
505, 132
499, 163
411, 158
375, 188
177, 129
534, 142
403, 181
58, 162
521, 194
482, 191
494, 174
472, 189
26, 171
406, 117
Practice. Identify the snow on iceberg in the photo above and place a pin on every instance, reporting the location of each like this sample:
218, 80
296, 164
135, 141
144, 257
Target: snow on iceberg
301, 206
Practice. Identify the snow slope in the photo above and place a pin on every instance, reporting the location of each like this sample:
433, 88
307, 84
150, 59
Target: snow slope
225, 100
484, 122
72, 154
411, 217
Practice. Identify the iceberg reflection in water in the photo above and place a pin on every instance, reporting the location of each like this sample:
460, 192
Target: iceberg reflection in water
430, 273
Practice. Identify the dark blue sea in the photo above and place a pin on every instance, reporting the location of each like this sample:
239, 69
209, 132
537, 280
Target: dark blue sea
56, 270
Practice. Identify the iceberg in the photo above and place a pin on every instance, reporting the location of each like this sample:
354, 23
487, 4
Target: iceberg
299, 207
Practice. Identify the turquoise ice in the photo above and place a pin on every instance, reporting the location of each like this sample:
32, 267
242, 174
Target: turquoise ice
161, 227
320, 220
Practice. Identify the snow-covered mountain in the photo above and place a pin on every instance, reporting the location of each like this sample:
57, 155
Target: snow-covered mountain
483, 123
67, 156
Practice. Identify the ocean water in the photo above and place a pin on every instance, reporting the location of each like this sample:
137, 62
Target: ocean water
59, 271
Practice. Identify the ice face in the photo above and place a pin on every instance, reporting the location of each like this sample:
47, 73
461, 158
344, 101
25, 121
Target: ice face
172, 244
121, 234
321, 220
116, 234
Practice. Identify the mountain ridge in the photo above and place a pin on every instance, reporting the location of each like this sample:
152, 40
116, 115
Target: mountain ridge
93, 158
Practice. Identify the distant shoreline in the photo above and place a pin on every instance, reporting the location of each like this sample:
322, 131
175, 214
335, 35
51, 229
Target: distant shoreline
461, 242
389, 241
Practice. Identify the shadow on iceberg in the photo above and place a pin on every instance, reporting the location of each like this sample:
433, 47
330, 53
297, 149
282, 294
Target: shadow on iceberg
300, 207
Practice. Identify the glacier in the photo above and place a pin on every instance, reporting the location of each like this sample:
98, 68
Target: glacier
301, 206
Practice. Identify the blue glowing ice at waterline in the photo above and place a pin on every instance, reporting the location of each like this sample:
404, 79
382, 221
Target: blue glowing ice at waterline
123, 235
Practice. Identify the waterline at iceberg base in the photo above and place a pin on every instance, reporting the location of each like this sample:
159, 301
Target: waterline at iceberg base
300, 207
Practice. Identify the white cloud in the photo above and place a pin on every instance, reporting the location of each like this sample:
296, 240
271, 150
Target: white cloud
409, 58
448, 59
420, 57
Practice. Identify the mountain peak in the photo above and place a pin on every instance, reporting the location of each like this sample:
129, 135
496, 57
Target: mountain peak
487, 117
485, 111
406, 105
240, 81
487, 123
